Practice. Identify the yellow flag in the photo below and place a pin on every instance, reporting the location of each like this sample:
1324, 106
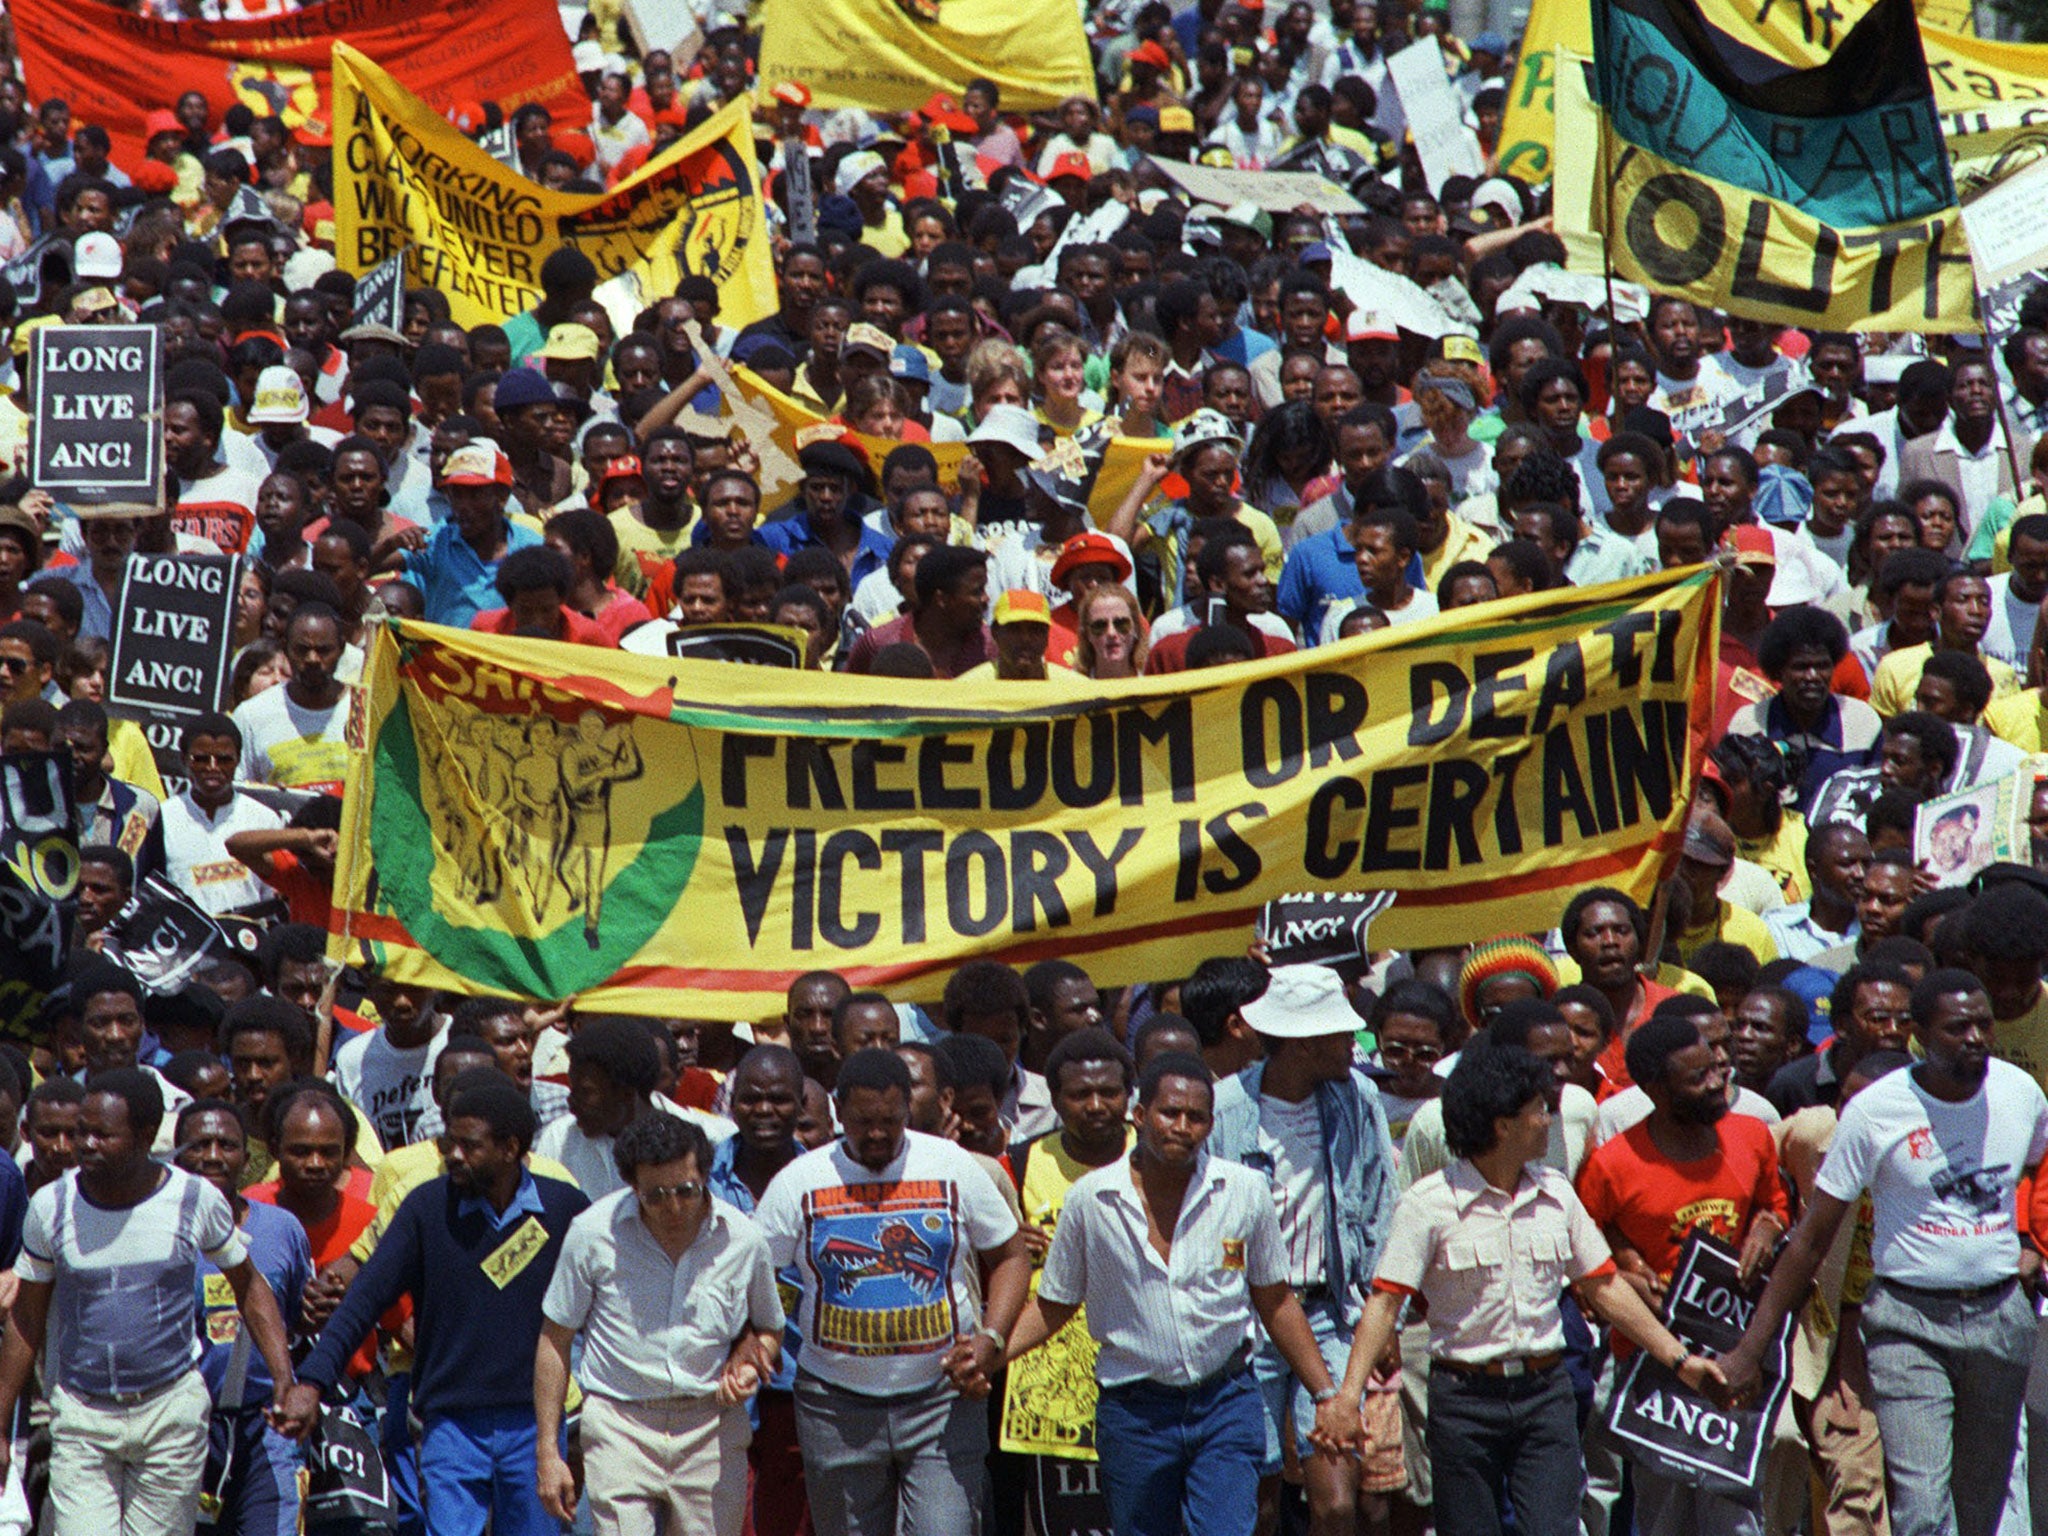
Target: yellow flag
894, 55
667, 836
406, 180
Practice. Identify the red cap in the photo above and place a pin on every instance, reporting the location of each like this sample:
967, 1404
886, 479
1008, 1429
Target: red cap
1753, 545
161, 122
1153, 54
938, 106
1072, 163
467, 115
576, 145
792, 93
1089, 549
154, 176
624, 467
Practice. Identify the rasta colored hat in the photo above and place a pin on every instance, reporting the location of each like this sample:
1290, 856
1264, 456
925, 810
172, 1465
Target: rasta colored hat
1512, 955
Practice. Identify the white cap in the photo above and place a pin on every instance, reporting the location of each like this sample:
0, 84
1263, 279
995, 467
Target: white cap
587, 56
1302, 1002
280, 398
97, 255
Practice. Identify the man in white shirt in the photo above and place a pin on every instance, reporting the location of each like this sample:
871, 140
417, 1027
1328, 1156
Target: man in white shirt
1178, 1426
198, 821
614, 1070
388, 1072
110, 1026
296, 735
675, 1298
889, 1230
1948, 1327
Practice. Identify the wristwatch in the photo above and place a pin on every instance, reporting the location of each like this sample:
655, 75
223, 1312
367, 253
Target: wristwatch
985, 1332
1327, 1394
1678, 1365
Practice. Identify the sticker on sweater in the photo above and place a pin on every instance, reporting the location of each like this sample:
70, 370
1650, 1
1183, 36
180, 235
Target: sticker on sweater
516, 1252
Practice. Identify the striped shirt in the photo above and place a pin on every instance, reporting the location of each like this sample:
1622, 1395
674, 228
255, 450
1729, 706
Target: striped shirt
1179, 1320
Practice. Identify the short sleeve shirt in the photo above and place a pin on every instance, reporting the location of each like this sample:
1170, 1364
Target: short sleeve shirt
1632, 1188
889, 1259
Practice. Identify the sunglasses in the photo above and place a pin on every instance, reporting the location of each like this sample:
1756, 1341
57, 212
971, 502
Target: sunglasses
661, 1194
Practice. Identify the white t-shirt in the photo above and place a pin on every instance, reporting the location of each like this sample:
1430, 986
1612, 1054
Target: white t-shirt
1941, 1176
590, 1159
395, 1088
888, 1259
291, 746
220, 509
196, 853
1292, 1136
1631, 1107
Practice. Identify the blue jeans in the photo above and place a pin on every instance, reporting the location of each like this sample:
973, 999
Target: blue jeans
477, 1469
260, 1491
1182, 1459
1280, 1388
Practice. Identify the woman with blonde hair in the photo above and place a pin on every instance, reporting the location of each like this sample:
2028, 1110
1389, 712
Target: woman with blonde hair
1059, 362
997, 374
1114, 638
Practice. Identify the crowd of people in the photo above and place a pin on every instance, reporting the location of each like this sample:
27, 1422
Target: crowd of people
1364, 1246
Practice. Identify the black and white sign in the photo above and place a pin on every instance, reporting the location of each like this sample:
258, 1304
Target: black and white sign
38, 885
162, 936
25, 273
756, 645
498, 144
1318, 928
1683, 1435
380, 294
174, 633
98, 432
1066, 1498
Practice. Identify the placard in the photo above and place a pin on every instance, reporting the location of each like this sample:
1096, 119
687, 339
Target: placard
1275, 191
174, 632
754, 645
1314, 928
25, 272
38, 885
98, 429
1436, 116
1955, 836
380, 293
1663, 1422
162, 937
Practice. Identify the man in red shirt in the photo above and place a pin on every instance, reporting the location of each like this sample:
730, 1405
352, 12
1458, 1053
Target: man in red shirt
535, 583
1603, 931
945, 621
1690, 1167
1232, 569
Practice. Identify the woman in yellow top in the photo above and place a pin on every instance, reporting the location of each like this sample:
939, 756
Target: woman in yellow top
1058, 360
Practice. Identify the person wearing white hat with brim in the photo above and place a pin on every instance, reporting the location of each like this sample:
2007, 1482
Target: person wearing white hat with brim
1308, 1117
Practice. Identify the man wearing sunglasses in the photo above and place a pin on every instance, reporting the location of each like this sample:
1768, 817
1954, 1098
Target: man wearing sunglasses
674, 1294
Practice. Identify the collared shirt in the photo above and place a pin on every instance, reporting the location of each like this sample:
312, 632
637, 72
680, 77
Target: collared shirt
652, 1326
1845, 736
1799, 937
1491, 1263
1027, 1105
1977, 474
1602, 556
1178, 1320
786, 535
525, 1202
98, 622
456, 582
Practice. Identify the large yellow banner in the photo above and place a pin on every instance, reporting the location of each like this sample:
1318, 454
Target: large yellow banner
1992, 97
891, 55
406, 180
684, 838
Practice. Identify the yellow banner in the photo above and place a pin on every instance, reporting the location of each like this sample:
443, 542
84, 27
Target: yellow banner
1992, 97
685, 838
406, 180
891, 55
1676, 231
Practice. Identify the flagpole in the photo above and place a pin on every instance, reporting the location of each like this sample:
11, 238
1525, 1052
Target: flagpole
2012, 453
1607, 216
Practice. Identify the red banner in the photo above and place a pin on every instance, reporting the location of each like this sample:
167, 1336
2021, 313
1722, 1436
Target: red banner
114, 67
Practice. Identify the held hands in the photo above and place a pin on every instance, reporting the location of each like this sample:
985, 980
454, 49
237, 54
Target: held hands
1339, 1427
295, 1411
1705, 1377
743, 1374
1734, 1381
971, 1364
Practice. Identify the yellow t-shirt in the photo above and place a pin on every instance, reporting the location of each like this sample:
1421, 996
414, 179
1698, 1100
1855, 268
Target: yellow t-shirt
641, 546
1731, 925
2019, 719
133, 762
1463, 542
1784, 854
2024, 1041
1898, 679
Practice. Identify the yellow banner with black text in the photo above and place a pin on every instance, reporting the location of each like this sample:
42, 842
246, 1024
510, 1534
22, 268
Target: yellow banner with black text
685, 838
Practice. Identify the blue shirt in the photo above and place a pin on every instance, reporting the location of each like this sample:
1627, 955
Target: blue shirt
787, 535
98, 622
456, 583
728, 1186
1317, 573
282, 1256
525, 1202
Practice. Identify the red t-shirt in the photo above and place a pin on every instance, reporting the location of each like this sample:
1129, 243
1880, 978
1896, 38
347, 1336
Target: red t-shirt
1171, 654
330, 1240
576, 629
1614, 1060
309, 899
1633, 1190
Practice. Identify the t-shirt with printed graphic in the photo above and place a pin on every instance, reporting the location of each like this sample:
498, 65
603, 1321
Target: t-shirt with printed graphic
283, 1255
291, 746
1942, 1176
393, 1086
888, 1259
1634, 1190
1291, 1136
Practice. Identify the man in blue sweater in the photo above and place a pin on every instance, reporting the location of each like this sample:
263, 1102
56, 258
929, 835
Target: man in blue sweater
475, 1249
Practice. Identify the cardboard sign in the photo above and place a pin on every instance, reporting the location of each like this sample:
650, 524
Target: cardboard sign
499, 145
1313, 928
162, 936
1275, 191
98, 431
25, 272
754, 645
1436, 115
38, 885
1661, 1421
1957, 835
380, 293
174, 632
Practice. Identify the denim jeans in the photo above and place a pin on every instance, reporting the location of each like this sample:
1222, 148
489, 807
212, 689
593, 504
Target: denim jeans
1180, 1459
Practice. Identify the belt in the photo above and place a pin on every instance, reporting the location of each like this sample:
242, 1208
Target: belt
1952, 1293
1520, 1365
126, 1399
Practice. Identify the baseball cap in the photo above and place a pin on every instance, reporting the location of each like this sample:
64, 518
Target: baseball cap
1753, 545
1368, 324
1089, 549
97, 254
570, 342
1019, 606
872, 339
1151, 53
792, 93
625, 467
909, 362
1072, 163
476, 463
1201, 429
1176, 120
280, 397
1709, 840
95, 301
